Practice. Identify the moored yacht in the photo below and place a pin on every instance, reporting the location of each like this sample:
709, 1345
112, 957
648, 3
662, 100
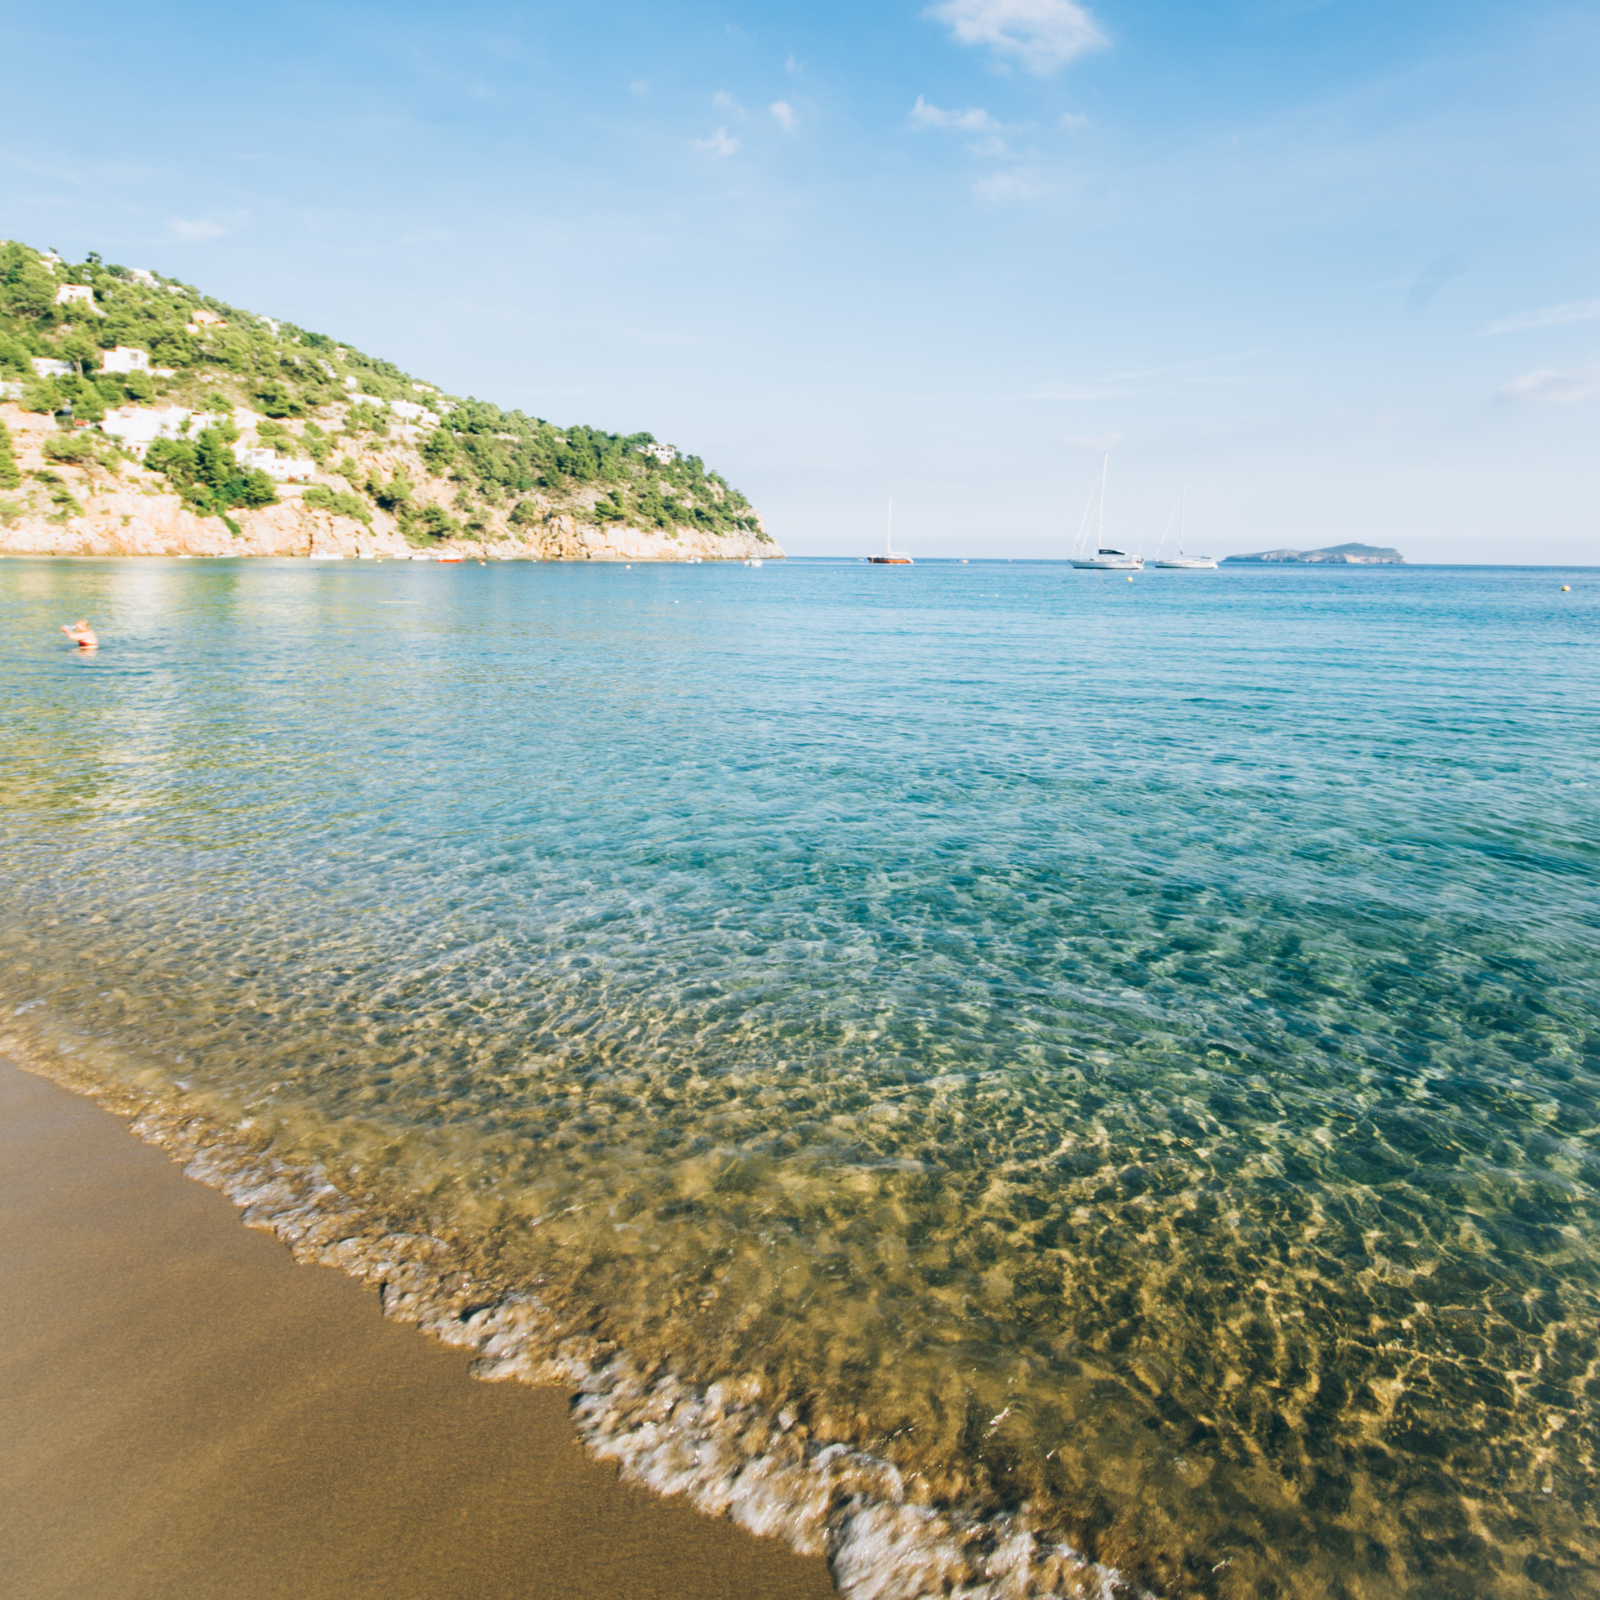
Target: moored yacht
891, 557
1181, 562
1103, 558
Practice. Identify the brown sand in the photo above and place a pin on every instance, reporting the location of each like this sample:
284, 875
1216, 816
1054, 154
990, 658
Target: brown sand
187, 1414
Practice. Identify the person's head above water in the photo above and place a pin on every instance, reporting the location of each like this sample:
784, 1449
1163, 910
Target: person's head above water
81, 634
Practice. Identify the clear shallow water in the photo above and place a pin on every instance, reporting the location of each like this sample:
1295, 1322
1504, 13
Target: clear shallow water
1122, 1055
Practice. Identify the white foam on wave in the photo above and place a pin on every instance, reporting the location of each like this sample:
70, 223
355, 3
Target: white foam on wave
719, 1446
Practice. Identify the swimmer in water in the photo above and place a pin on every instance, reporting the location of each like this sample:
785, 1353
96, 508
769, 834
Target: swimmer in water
81, 634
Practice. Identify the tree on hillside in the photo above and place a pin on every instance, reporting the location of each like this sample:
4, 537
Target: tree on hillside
10, 477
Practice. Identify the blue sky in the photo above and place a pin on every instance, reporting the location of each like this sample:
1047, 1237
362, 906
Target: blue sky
1333, 269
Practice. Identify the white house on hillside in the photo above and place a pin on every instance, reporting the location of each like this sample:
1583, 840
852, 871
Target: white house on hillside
49, 367
137, 427
282, 469
125, 359
666, 454
74, 293
142, 275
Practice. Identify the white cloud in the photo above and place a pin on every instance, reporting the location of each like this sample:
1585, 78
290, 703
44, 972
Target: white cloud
1551, 388
725, 102
784, 112
1549, 317
1041, 34
975, 121
1073, 119
196, 231
719, 144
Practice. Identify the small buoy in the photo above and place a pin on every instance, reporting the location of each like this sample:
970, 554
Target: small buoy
1566, 588
1130, 577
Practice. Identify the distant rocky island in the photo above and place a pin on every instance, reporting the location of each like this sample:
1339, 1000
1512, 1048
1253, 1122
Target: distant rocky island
1349, 555
140, 416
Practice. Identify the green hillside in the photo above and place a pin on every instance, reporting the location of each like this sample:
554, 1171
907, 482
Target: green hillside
209, 356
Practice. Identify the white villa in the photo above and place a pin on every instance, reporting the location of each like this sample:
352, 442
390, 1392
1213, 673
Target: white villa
209, 319
49, 367
282, 469
137, 428
142, 275
74, 293
125, 359
666, 454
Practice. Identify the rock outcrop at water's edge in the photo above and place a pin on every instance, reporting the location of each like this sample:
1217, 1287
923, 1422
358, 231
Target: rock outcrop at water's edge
113, 506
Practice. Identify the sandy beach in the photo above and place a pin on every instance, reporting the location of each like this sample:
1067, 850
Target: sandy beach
185, 1411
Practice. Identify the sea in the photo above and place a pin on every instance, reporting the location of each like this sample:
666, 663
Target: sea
1022, 1082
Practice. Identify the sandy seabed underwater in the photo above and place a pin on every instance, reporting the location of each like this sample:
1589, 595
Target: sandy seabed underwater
1027, 1083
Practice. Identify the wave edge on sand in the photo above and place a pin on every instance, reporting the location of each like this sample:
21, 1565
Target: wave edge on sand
717, 1445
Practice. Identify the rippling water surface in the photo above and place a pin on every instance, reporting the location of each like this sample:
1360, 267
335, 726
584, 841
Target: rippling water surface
1120, 1057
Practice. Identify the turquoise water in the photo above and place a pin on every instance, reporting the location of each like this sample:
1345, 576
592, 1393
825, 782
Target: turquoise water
1116, 1064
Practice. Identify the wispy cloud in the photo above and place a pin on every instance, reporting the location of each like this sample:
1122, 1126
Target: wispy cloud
719, 144
785, 115
976, 120
1073, 119
1426, 285
1041, 34
725, 102
195, 232
1552, 388
1548, 317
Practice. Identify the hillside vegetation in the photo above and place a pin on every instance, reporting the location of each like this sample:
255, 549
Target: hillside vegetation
372, 448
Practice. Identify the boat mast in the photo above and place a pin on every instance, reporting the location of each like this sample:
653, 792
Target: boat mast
1105, 461
1182, 493
888, 532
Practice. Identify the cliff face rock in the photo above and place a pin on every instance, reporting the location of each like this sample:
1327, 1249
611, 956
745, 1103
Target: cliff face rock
1349, 555
109, 505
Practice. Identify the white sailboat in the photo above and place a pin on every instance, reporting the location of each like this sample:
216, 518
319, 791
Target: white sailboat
1103, 558
891, 557
1181, 562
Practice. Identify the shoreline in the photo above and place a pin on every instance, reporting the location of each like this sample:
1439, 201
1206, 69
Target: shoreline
716, 1454
191, 1411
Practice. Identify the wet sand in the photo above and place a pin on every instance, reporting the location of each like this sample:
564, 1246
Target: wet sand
185, 1411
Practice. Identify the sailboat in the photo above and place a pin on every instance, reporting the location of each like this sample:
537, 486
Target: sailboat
1104, 558
891, 557
1181, 562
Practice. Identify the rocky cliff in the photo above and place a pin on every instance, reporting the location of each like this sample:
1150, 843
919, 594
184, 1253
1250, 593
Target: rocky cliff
107, 503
